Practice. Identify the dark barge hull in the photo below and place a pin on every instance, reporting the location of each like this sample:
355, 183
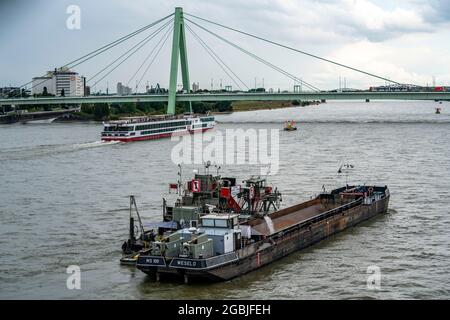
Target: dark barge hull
274, 247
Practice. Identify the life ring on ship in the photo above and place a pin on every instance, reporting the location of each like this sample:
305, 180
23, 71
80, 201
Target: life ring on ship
370, 190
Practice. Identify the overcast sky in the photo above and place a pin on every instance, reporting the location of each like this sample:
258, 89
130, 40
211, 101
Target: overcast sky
406, 40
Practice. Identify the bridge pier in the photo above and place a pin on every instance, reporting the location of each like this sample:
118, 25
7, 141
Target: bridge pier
179, 53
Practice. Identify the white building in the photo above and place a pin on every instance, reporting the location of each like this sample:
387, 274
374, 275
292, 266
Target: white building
42, 84
58, 81
123, 90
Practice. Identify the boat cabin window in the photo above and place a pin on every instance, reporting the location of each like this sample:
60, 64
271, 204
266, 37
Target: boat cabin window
118, 128
208, 222
221, 223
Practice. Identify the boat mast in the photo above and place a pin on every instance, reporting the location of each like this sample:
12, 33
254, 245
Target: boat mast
180, 181
347, 168
141, 226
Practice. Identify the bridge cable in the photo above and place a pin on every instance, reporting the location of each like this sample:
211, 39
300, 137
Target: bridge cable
141, 42
164, 37
154, 57
126, 58
110, 46
216, 58
103, 48
267, 63
296, 50
127, 37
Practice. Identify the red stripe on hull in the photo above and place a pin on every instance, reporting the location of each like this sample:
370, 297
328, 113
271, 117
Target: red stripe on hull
153, 137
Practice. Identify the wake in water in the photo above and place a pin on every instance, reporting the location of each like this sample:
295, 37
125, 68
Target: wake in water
34, 152
95, 144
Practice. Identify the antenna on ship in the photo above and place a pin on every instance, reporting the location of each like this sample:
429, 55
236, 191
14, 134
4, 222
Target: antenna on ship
217, 168
267, 173
207, 165
347, 166
180, 182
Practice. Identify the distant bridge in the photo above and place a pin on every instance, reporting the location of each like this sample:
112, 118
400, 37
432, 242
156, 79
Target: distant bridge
30, 116
302, 96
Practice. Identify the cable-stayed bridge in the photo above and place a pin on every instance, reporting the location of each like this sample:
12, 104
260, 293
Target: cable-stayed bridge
176, 24
186, 97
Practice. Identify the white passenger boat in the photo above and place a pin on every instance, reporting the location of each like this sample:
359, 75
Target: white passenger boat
156, 127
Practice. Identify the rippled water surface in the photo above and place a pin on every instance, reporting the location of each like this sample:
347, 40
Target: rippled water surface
64, 198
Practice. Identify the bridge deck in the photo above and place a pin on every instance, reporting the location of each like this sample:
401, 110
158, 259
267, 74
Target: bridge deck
363, 95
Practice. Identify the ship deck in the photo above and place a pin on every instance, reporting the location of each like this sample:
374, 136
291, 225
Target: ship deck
291, 219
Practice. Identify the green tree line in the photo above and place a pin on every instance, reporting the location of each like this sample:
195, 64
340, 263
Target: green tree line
103, 111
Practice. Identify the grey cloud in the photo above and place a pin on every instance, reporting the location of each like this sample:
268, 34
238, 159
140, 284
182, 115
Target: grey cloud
336, 18
439, 13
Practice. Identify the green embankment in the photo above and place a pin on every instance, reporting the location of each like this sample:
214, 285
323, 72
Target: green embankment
264, 105
103, 111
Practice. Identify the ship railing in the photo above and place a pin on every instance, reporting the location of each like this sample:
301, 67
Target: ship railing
219, 260
144, 119
334, 211
322, 216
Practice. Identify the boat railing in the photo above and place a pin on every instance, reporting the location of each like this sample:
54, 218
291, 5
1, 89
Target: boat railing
334, 211
145, 119
221, 259
323, 215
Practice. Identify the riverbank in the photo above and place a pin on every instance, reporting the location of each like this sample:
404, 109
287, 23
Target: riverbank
103, 112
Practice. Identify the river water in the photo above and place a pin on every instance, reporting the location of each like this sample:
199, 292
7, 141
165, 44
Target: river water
64, 201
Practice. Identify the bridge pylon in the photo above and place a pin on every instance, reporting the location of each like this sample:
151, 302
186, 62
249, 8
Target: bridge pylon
178, 52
